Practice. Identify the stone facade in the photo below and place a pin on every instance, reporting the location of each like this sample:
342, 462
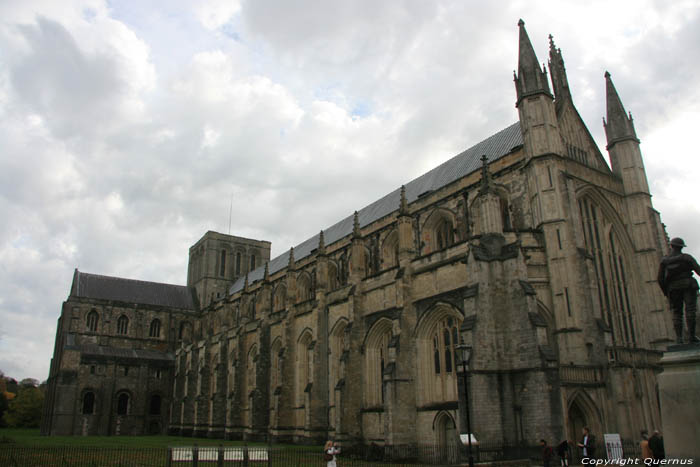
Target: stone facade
539, 256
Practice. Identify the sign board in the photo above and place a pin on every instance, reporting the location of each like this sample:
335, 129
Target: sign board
613, 446
465, 440
211, 454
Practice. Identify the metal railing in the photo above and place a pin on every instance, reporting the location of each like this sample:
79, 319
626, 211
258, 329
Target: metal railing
14, 455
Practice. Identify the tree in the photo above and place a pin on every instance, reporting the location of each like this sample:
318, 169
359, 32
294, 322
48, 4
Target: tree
24, 411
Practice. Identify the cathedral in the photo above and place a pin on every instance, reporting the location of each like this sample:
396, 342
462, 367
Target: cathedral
531, 249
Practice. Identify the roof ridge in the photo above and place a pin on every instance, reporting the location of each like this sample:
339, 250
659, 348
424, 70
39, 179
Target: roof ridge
443, 174
102, 276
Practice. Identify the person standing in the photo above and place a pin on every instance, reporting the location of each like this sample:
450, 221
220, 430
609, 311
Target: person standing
656, 444
546, 453
644, 445
587, 444
677, 283
563, 453
330, 450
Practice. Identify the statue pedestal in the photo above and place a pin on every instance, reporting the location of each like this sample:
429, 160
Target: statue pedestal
679, 395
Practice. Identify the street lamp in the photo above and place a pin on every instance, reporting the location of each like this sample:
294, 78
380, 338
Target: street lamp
464, 352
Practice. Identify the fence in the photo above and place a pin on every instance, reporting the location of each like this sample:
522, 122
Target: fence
259, 456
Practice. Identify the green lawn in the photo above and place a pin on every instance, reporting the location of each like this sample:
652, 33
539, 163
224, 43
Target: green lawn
31, 437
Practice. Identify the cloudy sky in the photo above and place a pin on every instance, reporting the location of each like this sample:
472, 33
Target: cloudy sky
127, 127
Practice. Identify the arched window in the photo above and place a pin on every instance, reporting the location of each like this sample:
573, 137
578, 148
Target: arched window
185, 331
279, 301
304, 289
222, 263
88, 403
238, 263
376, 359
123, 325
390, 251
275, 363
251, 308
154, 330
443, 234
92, 319
252, 262
438, 231
251, 368
337, 347
333, 279
154, 406
123, 404
604, 245
437, 340
304, 364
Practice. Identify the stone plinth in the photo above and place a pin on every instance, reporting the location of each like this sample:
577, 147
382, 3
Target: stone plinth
679, 395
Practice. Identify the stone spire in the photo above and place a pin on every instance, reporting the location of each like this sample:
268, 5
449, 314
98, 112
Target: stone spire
619, 125
321, 244
356, 226
560, 83
530, 79
266, 274
403, 204
290, 265
245, 284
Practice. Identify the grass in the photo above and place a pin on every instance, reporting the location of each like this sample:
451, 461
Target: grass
30, 437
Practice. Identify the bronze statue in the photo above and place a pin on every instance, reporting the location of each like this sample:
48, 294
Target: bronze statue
676, 280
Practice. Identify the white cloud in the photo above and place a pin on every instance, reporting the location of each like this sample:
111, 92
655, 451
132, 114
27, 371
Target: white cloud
126, 127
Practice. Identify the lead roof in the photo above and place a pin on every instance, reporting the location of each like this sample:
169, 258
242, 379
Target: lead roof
132, 291
494, 147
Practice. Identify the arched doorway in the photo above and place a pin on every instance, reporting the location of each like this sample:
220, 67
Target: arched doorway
583, 412
446, 438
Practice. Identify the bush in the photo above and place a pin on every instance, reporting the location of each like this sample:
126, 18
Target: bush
24, 411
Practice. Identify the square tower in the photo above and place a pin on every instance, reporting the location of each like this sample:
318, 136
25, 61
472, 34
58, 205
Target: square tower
217, 260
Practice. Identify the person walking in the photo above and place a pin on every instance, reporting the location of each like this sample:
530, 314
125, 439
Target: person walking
330, 450
546, 453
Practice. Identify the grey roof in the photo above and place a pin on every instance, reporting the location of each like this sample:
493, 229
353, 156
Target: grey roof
131, 291
494, 148
93, 350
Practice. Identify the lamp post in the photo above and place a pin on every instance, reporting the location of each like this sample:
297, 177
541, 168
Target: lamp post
464, 355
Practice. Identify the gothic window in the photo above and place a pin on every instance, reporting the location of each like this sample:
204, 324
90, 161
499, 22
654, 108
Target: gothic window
92, 320
438, 337
304, 290
123, 404
275, 363
443, 234
438, 231
337, 347
154, 406
123, 325
222, 263
376, 359
333, 280
238, 263
251, 368
185, 331
154, 330
610, 263
251, 308
304, 363
252, 262
279, 302
390, 251
88, 403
